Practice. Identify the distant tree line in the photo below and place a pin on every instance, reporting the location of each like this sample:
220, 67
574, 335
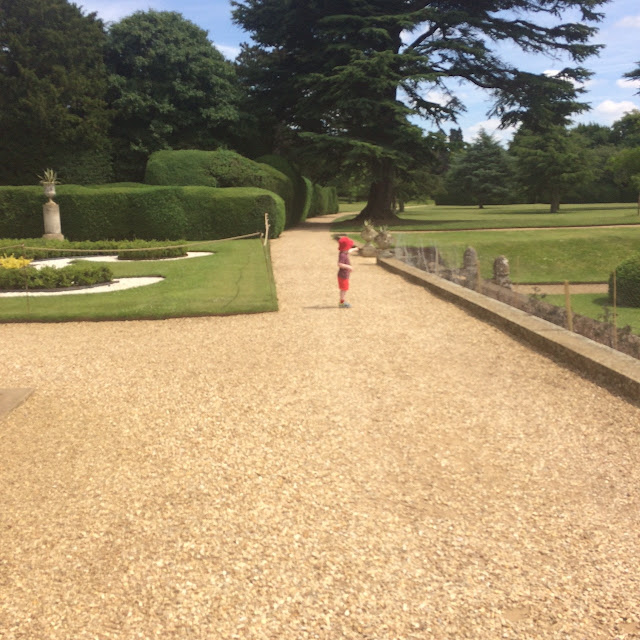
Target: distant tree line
586, 163
335, 88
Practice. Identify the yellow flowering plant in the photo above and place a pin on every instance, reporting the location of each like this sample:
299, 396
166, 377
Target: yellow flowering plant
11, 262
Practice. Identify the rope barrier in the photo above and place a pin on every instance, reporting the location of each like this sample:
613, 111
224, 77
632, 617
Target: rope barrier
116, 250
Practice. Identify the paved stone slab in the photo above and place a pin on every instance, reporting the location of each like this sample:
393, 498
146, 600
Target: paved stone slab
11, 398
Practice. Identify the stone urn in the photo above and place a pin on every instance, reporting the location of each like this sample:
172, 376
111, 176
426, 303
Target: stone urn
368, 234
384, 241
49, 190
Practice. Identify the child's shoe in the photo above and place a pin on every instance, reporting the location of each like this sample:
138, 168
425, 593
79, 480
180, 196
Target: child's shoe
345, 305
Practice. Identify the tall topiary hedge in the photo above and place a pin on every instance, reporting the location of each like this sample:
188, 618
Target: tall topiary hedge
324, 200
301, 197
627, 283
220, 168
125, 212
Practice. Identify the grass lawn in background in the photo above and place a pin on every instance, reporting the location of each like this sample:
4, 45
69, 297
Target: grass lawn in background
554, 255
237, 278
429, 217
596, 305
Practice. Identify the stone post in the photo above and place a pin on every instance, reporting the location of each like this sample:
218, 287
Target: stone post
470, 267
501, 272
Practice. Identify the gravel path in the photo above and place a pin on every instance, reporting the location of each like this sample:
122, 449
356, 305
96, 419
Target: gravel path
398, 470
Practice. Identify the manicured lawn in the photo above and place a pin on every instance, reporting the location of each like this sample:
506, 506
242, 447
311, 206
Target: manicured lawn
237, 278
430, 217
593, 305
577, 255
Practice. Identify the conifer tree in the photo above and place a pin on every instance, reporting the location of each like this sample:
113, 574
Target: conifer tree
52, 87
549, 164
482, 172
347, 76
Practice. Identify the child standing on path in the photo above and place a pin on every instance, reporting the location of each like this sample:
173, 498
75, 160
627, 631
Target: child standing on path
344, 269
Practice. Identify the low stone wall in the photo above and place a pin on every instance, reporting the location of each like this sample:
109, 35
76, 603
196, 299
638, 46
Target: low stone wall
427, 259
607, 367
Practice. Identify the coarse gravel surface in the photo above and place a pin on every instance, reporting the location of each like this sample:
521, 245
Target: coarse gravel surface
397, 470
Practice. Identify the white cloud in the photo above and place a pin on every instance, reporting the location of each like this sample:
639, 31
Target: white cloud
491, 127
113, 11
608, 111
629, 21
628, 84
578, 85
439, 97
231, 53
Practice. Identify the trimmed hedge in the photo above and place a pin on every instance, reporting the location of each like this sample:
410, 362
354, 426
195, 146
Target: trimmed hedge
73, 275
310, 199
221, 168
627, 283
323, 200
59, 249
146, 212
225, 168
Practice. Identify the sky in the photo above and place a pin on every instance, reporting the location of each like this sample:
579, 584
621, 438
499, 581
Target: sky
609, 95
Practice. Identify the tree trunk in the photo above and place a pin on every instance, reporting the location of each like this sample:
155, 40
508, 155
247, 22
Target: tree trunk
379, 208
555, 202
639, 203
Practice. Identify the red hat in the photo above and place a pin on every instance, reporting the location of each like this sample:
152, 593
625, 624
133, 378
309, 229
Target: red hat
344, 243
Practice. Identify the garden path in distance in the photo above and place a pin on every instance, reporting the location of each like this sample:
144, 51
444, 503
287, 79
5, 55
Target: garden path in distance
397, 470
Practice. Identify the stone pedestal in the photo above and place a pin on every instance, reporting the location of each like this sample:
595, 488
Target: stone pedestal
368, 251
52, 228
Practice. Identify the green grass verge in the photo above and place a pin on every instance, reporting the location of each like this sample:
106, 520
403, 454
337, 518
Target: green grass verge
237, 278
596, 305
577, 255
432, 218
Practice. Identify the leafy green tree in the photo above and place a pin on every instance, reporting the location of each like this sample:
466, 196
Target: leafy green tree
344, 79
456, 140
626, 168
483, 171
170, 88
594, 135
52, 88
549, 164
626, 131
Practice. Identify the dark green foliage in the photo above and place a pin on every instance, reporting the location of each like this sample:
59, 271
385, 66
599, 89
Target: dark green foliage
347, 83
150, 253
301, 201
220, 168
634, 74
52, 93
548, 164
60, 248
481, 174
626, 131
170, 88
73, 275
324, 200
627, 283
146, 212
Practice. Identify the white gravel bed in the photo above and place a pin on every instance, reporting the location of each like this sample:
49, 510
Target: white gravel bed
398, 470
116, 285
63, 262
